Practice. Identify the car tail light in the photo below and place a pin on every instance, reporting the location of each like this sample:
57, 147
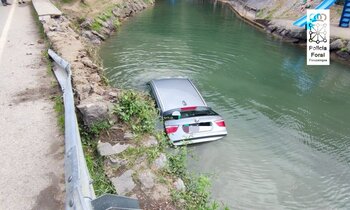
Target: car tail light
188, 108
220, 123
171, 129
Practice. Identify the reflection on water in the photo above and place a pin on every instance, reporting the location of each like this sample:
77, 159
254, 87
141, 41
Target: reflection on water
288, 124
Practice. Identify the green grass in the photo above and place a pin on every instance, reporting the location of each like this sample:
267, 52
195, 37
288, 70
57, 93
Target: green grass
94, 161
137, 110
96, 25
59, 108
98, 21
67, 1
197, 192
344, 49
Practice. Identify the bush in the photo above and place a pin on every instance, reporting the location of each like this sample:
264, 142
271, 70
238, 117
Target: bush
137, 110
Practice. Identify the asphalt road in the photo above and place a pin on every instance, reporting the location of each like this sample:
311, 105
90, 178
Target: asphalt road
31, 145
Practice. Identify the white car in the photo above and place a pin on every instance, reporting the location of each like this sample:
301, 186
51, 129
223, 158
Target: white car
187, 118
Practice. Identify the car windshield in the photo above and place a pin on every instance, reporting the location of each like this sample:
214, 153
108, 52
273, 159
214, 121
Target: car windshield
197, 112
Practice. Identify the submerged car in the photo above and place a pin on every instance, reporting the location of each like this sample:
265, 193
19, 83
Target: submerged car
187, 118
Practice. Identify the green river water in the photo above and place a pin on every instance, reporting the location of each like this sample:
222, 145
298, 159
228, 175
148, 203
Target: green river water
289, 138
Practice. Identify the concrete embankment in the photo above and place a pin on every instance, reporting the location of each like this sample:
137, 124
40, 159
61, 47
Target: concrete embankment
277, 19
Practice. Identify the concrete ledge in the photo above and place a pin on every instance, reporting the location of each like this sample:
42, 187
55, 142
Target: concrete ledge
45, 7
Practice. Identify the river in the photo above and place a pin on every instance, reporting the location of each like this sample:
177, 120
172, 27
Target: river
289, 138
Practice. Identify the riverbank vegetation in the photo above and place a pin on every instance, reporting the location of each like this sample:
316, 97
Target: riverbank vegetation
136, 112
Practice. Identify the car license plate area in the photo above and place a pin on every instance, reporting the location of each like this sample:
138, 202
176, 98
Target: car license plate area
197, 127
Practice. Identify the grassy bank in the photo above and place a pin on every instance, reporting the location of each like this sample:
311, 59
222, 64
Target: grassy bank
138, 112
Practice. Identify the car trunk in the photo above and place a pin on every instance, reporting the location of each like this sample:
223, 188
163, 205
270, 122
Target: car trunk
195, 128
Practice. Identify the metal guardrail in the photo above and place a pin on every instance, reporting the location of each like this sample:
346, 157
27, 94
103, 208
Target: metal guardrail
80, 194
79, 189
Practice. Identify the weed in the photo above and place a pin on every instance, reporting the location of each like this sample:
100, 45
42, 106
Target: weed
116, 23
59, 108
137, 110
153, 153
132, 154
67, 1
344, 49
96, 25
94, 161
177, 162
98, 127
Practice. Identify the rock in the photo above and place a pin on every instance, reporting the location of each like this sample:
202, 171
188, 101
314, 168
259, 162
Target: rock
337, 44
87, 62
83, 91
124, 183
179, 185
297, 33
348, 47
150, 141
93, 112
52, 28
106, 31
115, 161
271, 28
106, 149
141, 163
343, 54
87, 24
92, 37
286, 28
95, 78
113, 94
111, 25
160, 162
128, 135
147, 179
99, 35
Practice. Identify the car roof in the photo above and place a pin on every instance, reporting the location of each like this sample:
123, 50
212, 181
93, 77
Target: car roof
174, 93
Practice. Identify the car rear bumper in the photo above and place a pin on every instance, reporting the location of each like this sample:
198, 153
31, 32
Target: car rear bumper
196, 140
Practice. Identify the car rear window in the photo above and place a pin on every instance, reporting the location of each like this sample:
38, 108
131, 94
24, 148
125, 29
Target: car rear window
198, 112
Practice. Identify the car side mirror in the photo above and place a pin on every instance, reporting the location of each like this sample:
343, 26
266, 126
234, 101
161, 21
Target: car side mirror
176, 115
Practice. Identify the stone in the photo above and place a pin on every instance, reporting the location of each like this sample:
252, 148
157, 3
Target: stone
52, 28
141, 163
179, 185
113, 94
87, 62
117, 12
160, 162
87, 23
150, 141
124, 183
93, 112
115, 161
147, 179
286, 28
128, 135
106, 149
348, 47
337, 45
99, 35
95, 78
343, 54
92, 37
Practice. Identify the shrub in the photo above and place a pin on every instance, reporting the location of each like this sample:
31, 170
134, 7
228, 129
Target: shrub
137, 110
